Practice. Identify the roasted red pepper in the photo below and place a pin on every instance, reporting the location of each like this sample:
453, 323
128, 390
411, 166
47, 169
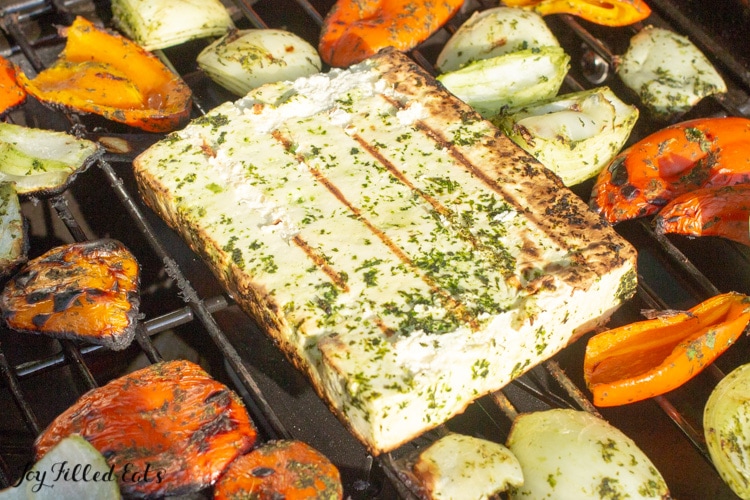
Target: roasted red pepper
354, 30
168, 429
106, 74
677, 159
280, 469
604, 12
651, 357
716, 211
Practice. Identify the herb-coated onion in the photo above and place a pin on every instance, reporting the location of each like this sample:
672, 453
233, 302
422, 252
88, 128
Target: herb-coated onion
726, 424
245, 59
574, 135
510, 80
494, 32
158, 24
460, 466
668, 72
570, 454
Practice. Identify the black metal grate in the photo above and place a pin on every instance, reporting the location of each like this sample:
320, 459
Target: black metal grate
40, 377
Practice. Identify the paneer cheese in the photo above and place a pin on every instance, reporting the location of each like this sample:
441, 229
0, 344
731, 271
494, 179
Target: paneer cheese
406, 255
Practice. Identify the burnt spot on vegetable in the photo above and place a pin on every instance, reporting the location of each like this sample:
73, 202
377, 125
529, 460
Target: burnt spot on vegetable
262, 472
62, 300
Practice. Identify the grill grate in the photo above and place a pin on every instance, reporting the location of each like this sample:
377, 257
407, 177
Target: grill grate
674, 273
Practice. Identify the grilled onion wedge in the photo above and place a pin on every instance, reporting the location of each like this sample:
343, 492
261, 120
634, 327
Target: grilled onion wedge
85, 291
13, 237
42, 162
574, 135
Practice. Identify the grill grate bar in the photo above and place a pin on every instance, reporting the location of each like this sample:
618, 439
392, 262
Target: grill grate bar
10, 379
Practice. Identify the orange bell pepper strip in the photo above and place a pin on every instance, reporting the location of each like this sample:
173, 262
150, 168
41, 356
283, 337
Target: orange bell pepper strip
714, 211
677, 159
11, 93
604, 12
651, 357
354, 30
106, 74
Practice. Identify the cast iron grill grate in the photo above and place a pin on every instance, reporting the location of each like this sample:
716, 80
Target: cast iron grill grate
180, 296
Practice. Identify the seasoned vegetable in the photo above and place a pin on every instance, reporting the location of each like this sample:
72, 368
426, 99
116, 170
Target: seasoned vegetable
11, 93
654, 356
677, 159
459, 466
354, 30
103, 73
42, 162
510, 80
13, 238
281, 469
609, 13
668, 72
169, 424
88, 475
86, 291
158, 24
243, 60
570, 454
574, 135
726, 425
715, 211
494, 32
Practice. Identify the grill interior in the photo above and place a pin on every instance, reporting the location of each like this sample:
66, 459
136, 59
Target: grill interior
187, 315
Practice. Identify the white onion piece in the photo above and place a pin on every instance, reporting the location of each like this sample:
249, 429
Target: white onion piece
570, 454
42, 161
158, 24
667, 71
510, 80
243, 60
726, 424
574, 135
458, 466
47, 480
494, 32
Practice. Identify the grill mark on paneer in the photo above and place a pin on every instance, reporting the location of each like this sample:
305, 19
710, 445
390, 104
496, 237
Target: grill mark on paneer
447, 300
320, 261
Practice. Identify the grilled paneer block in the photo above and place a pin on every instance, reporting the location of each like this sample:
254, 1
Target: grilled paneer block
166, 429
86, 291
402, 251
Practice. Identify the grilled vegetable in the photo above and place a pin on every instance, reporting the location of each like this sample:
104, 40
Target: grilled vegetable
42, 162
354, 30
86, 291
459, 466
280, 469
13, 237
158, 24
166, 429
494, 32
668, 72
680, 158
654, 356
11, 93
574, 135
726, 426
509, 81
71, 470
716, 211
569, 454
609, 13
242, 60
103, 73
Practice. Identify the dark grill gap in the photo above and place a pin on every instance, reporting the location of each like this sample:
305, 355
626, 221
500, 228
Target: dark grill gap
674, 272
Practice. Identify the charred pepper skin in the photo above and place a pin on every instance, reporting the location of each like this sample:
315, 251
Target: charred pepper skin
693, 154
